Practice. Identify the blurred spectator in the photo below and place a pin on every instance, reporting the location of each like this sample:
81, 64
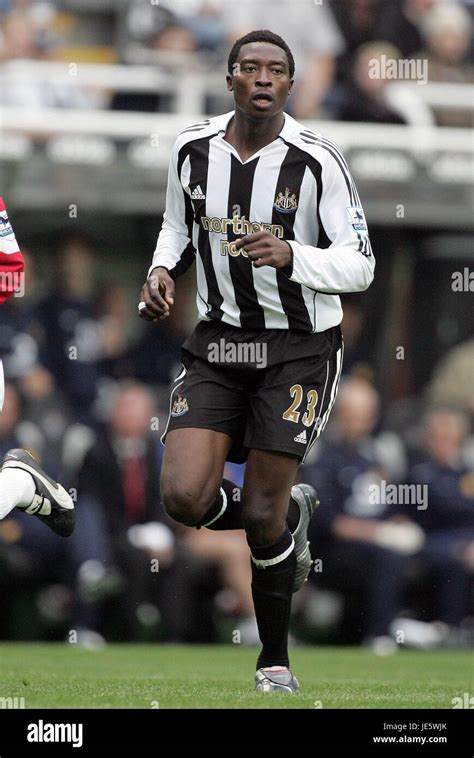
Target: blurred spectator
150, 29
205, 18
366, 540
26, 34
401, 23
365, 97
348, 530
155, 358
447, 32
448, 521
160, 38
18, 348
115, 320
356, 358
141, 22
356, 20
120, 478
44, 406
66, 328
175, 40
198, 23
452, 383
312, 36
450, 482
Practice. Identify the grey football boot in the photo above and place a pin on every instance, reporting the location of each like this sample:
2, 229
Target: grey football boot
307, 500
275, 679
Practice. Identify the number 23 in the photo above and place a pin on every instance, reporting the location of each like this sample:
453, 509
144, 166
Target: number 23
293, 414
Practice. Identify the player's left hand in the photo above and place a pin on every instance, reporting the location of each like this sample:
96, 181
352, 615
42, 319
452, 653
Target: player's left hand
264, 249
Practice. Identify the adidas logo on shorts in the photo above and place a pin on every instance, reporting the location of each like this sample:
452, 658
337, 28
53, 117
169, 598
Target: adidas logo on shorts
301, 437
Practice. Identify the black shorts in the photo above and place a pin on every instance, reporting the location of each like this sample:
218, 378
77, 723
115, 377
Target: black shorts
283, 407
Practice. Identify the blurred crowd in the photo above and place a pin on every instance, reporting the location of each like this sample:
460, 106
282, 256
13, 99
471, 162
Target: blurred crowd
335, 44
87, 392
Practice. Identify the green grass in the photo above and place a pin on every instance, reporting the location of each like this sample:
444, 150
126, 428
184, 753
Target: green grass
136, 676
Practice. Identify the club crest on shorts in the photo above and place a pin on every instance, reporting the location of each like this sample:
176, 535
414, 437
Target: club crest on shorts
285, 202
180, 406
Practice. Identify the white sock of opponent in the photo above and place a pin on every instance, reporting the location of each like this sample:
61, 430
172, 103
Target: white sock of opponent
16, 488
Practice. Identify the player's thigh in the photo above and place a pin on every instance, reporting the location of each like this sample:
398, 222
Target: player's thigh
207, 415
193, 466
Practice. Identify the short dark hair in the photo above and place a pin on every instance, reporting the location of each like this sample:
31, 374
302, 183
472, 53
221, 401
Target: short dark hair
261, 35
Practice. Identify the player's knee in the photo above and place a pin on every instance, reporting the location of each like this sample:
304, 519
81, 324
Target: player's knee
182, 505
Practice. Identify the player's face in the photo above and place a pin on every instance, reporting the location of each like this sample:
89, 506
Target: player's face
260, 82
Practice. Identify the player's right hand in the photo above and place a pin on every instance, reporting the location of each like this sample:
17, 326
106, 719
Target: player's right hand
157, 295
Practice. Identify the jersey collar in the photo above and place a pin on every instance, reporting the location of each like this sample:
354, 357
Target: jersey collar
286, 131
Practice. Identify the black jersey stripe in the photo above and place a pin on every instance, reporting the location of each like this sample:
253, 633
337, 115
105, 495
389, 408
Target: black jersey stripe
290, 177
315, 167
365, 248
336, 153
331, 146
252, 315
345, 173
364, 242
198, 151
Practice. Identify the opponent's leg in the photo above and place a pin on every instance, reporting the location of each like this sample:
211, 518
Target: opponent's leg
268, 481
49, 501
16, 488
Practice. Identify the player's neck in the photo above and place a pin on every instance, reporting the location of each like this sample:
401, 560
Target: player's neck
248, 136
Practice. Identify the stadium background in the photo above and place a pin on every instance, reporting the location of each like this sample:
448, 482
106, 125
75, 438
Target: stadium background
93, 94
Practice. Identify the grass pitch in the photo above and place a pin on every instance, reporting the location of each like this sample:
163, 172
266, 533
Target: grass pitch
59, 675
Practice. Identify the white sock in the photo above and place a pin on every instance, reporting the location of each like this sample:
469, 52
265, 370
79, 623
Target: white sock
17, 487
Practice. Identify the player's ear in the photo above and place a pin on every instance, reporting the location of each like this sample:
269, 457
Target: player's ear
229, 82
292, 81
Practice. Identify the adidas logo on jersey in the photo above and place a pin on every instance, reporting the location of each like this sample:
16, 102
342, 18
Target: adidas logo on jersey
301, 437
197, 193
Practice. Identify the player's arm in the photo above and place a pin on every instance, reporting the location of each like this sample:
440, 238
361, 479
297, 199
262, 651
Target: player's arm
347, 264
174, 251
11, 260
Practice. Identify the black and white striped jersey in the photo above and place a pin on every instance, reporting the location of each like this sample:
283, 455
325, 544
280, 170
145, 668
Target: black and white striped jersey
299, 188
